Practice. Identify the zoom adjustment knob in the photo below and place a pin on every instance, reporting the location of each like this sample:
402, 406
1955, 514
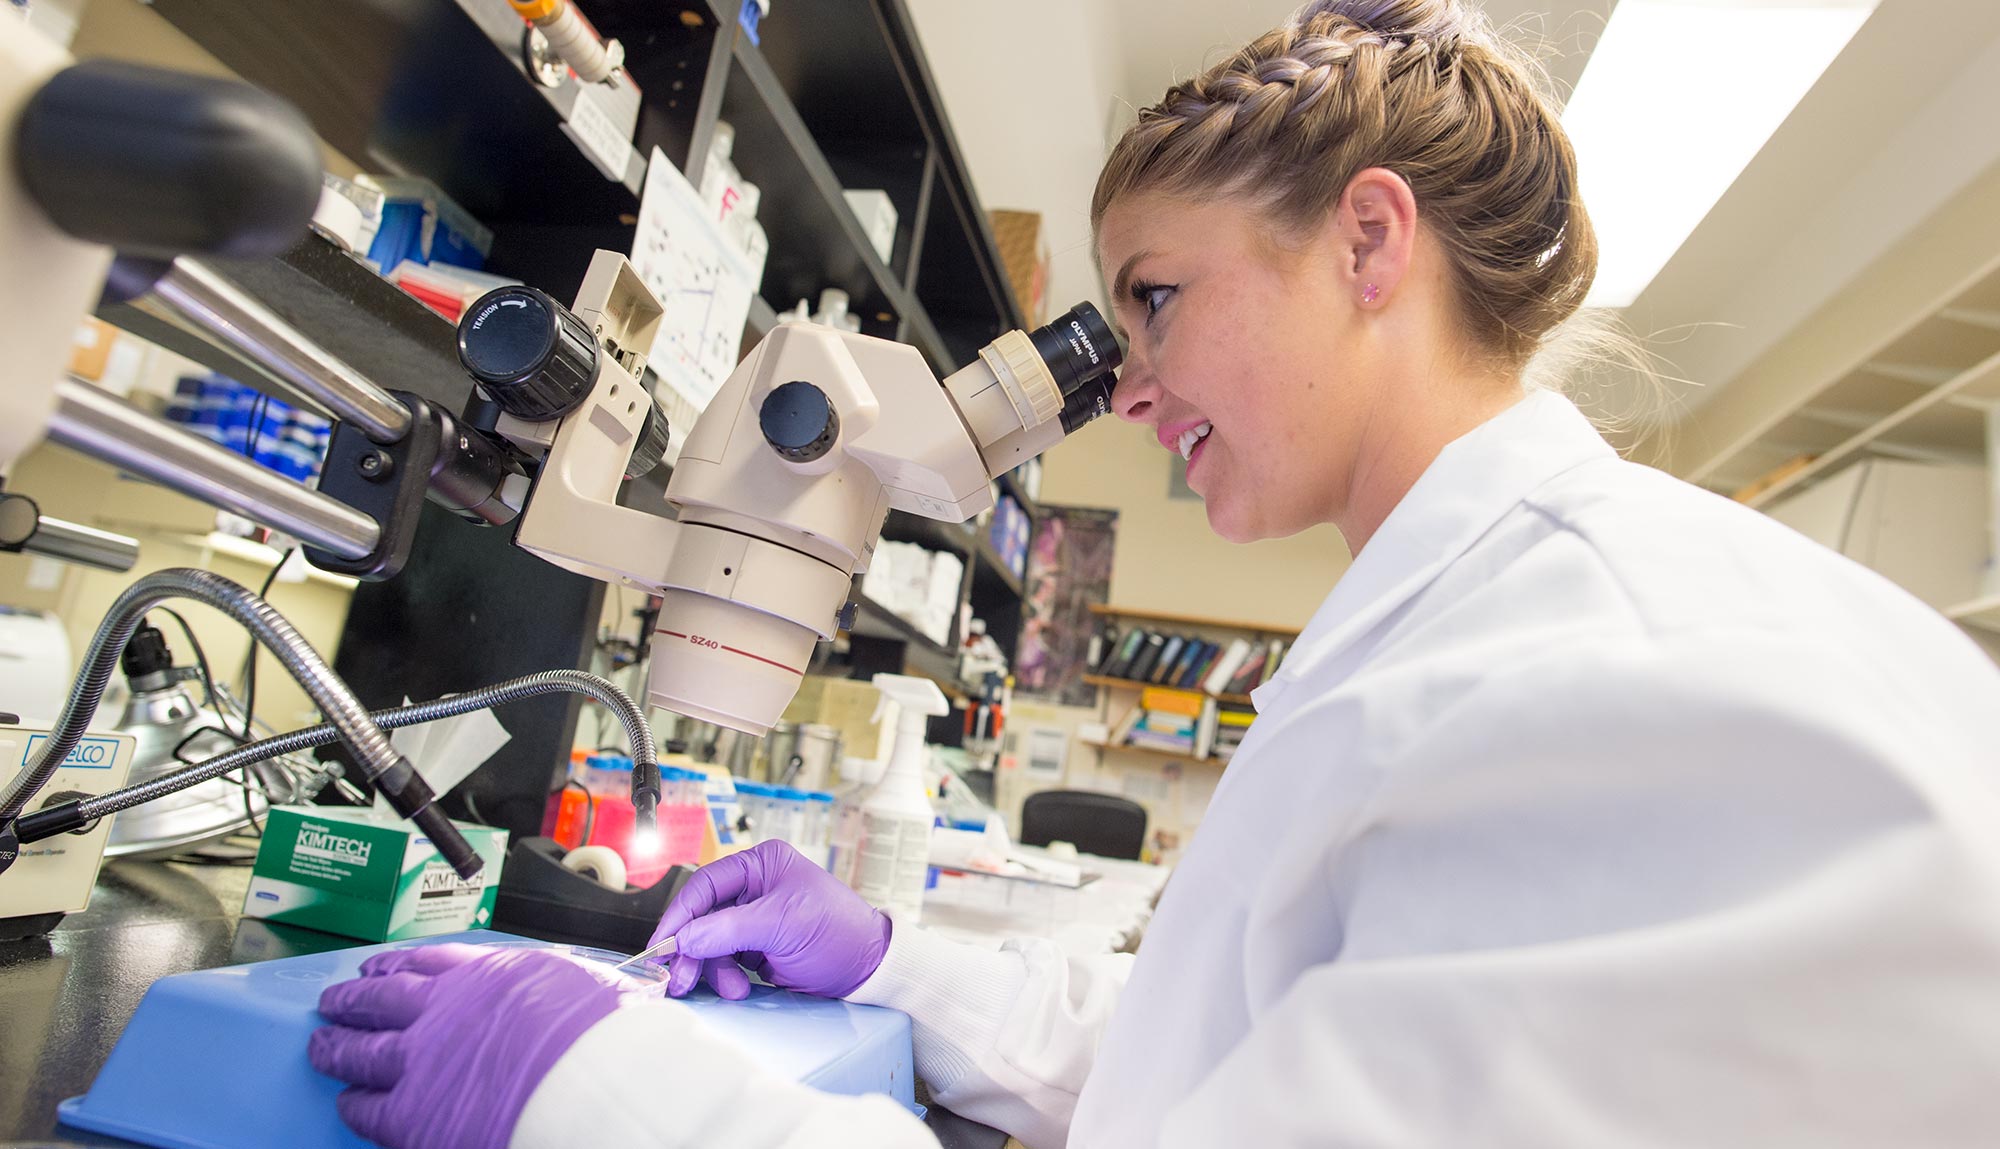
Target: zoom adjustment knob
528, 352
799, 421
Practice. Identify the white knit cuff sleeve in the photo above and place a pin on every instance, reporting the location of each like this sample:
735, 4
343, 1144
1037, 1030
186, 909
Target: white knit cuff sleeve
956, 995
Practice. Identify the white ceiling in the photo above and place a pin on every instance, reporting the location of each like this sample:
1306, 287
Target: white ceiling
1900, 125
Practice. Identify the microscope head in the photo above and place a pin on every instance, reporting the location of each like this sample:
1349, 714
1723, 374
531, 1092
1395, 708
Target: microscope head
782, 485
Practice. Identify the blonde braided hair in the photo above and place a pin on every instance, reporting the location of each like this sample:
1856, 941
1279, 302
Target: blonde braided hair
1423, 88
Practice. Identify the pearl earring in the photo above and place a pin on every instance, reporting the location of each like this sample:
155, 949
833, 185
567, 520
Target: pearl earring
1369, 293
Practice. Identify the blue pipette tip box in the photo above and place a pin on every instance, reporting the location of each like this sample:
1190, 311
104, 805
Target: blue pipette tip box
217, 1058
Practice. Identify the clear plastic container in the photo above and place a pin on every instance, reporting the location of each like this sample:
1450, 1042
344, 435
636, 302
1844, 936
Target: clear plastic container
792, 817
753, 798
642, 979
608, 775
683, 816
819, 805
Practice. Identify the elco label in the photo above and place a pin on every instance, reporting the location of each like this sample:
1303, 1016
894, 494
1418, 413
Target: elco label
89, 754
321, 842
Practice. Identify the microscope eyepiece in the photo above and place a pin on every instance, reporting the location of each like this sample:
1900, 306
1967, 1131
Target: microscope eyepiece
1078, 348
1087, 402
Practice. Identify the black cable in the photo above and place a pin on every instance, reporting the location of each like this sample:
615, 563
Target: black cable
211, 860
250, 808
257, 412
589, 809
200, 658
243, 783
197, 732
250, 659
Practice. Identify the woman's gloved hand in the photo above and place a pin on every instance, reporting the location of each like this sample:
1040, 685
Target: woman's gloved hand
773, 910
443, 1044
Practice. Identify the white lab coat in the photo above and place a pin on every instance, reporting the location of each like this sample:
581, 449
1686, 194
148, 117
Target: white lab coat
1590, 810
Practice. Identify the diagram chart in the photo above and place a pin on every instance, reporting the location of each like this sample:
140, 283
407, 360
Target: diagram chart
704, 283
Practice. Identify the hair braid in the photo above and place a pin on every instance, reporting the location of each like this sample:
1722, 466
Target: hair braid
1422, 87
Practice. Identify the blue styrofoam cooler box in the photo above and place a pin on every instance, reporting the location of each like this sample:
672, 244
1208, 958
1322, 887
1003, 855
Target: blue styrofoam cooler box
216, 1059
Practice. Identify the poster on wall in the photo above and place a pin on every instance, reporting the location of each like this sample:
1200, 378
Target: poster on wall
1069, 570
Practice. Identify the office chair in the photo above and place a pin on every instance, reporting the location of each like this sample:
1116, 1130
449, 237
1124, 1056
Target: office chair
1102, 824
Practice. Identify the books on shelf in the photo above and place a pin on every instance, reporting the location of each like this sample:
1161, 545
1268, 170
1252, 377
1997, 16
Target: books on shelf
1148, 740
1171, 701
1246, 675
1213, 731
1232, 722
1149, 654
1118, 652
1279, 648
1206, 727
1187, 662
1225, 668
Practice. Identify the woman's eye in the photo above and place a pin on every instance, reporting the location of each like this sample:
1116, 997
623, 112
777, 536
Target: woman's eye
1153, 298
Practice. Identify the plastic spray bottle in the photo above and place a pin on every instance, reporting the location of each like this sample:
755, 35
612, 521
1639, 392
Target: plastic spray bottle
896, 816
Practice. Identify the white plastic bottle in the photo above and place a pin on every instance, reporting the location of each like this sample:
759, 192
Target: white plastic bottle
896, 816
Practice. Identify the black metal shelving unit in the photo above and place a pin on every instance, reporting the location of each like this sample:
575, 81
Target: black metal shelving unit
836, 94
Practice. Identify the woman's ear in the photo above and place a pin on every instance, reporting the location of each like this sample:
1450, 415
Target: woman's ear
1377, 218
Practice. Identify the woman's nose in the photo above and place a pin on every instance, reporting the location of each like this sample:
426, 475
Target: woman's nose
1136, 393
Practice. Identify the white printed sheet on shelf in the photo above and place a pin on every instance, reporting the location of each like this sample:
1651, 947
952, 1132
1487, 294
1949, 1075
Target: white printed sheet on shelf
702, 280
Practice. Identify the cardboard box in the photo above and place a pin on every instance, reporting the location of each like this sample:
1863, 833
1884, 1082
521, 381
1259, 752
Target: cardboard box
351, 871
90, 348
847, 705
1024, 249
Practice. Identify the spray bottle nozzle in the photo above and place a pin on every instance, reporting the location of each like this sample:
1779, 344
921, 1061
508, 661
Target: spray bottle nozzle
913, 694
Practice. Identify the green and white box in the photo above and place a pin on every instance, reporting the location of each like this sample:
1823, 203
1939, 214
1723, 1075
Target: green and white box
353, 871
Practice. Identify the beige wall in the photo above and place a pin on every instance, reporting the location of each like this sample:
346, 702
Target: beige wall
1032, 143
131, 30
1167, 559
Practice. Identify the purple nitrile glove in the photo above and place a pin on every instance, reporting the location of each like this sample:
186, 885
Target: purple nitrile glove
443, 1044
772, 909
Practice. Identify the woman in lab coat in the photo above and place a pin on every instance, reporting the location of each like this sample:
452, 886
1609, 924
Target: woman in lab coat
1589, 810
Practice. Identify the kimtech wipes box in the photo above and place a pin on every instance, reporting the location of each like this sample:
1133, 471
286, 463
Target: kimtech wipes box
352, 871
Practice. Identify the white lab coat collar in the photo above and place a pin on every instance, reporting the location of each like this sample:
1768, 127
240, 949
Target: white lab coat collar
1475, 480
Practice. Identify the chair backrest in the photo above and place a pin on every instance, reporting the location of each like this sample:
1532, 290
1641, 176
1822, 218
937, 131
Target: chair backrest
1103, 824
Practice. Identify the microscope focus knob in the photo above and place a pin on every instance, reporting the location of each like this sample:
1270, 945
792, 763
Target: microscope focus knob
528, 352
652, 444
799, 421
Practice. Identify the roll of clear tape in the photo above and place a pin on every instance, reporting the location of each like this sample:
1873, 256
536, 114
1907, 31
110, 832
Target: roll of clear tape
599, 863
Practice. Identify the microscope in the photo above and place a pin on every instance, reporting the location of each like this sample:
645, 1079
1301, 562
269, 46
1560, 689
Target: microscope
779, 493
782, 485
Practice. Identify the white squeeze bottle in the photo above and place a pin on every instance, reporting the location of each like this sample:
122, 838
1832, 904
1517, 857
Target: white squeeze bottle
896, 816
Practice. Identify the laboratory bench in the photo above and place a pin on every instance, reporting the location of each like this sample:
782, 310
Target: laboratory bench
65, 998
1107, 915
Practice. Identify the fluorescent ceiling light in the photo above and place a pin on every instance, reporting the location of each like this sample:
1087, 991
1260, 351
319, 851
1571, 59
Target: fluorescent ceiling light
1677, 97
